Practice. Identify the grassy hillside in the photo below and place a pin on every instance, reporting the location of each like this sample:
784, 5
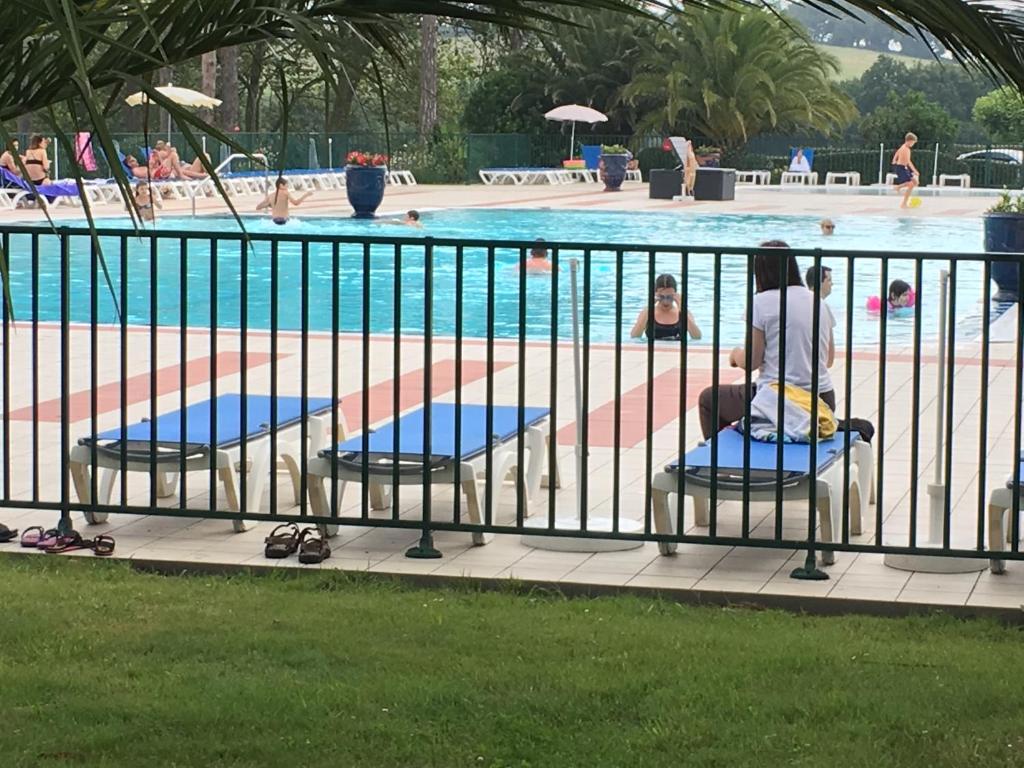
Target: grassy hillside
854, 62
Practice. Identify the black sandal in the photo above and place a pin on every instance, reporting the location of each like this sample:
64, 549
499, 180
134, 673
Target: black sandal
313, 546
103, 545
6, 534
279, 545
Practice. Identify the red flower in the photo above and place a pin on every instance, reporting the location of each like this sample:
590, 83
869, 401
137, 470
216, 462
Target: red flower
365, 159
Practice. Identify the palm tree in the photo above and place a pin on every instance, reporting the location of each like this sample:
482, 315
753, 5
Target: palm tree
730, 77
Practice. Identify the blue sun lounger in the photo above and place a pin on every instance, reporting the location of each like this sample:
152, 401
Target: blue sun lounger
795, 475
23, 190
468, 453
131, 451
1000, 521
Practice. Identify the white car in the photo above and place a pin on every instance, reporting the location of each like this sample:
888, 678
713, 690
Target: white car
999, 155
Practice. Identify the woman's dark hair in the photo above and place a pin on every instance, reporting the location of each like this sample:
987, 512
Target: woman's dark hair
36, 140
414, 215
768, 265
665, 281
898, 288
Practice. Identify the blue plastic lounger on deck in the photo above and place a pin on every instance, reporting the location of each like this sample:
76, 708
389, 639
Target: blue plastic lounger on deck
765, 475
468, 453
52, 190
132, 450
1000, 521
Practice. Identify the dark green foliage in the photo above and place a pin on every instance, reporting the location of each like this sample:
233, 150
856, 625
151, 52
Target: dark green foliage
908, 112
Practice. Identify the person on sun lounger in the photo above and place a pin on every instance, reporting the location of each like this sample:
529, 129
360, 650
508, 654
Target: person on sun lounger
279, 201
7, 159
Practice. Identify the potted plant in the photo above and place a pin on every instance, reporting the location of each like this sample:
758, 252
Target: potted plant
364, 182
614, 159
1004, 233
708, 157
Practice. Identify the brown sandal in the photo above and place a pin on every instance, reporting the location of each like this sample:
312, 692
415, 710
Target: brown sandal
313, 546
282, 541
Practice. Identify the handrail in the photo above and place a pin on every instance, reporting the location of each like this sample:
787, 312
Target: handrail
241, 156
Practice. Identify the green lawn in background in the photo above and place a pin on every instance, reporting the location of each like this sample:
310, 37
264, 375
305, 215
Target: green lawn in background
854, 62
103, 666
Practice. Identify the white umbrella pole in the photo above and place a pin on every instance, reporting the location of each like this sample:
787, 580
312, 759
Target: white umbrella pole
572, 139
56, 159
935, 167
937, 488
881, 163
577, 365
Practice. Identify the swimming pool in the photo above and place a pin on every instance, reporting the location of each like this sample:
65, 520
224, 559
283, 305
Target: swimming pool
708, 230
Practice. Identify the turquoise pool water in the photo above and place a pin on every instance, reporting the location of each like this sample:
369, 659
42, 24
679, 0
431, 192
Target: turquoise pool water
882, 235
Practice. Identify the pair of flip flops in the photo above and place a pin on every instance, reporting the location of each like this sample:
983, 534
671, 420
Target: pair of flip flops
287, 539
53, 542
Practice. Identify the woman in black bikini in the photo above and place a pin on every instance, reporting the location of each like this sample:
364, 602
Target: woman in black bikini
667, 319
37, 163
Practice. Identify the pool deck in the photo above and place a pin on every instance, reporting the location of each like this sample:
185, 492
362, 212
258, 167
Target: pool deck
632, 197
697, 572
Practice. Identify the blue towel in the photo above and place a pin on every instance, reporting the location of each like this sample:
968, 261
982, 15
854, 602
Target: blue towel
442, 428
796, 457
229, 416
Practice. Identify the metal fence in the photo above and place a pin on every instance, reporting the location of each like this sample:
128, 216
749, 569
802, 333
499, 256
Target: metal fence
183, 373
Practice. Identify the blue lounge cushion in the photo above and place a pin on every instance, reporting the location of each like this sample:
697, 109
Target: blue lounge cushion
409, 433
796, 457
229, 430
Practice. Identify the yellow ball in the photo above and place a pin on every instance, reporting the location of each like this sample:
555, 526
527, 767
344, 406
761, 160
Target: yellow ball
915, 202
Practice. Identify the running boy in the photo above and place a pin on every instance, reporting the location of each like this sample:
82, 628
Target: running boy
906, 172
279, 200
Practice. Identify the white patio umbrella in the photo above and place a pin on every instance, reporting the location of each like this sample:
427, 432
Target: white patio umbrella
575, 113
186, 97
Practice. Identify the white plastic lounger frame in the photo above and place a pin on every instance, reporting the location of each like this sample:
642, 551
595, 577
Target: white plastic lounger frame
754, 178
401, 177
471, 474
665, 486
844, 179
798, 179
1000, 522
225, 460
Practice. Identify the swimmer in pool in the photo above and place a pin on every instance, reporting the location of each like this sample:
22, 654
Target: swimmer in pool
667, 321
145, 202
828, 227
901, 296
412, 219
538, 260
278, 202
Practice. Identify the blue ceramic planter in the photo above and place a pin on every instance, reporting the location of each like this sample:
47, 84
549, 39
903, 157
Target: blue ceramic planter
1004, 233
365, 189
614, 171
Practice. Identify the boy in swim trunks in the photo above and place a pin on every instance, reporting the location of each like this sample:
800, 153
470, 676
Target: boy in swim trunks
279, 201
905, 170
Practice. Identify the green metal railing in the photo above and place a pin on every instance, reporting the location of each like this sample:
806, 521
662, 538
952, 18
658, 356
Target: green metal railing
328, 316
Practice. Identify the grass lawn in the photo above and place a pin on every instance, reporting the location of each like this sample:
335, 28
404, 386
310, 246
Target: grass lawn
854, 62
107, 667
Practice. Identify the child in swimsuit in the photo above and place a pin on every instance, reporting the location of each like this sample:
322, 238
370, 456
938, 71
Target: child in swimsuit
145, 202
901, 297
904, 169
279, 200
667, 321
